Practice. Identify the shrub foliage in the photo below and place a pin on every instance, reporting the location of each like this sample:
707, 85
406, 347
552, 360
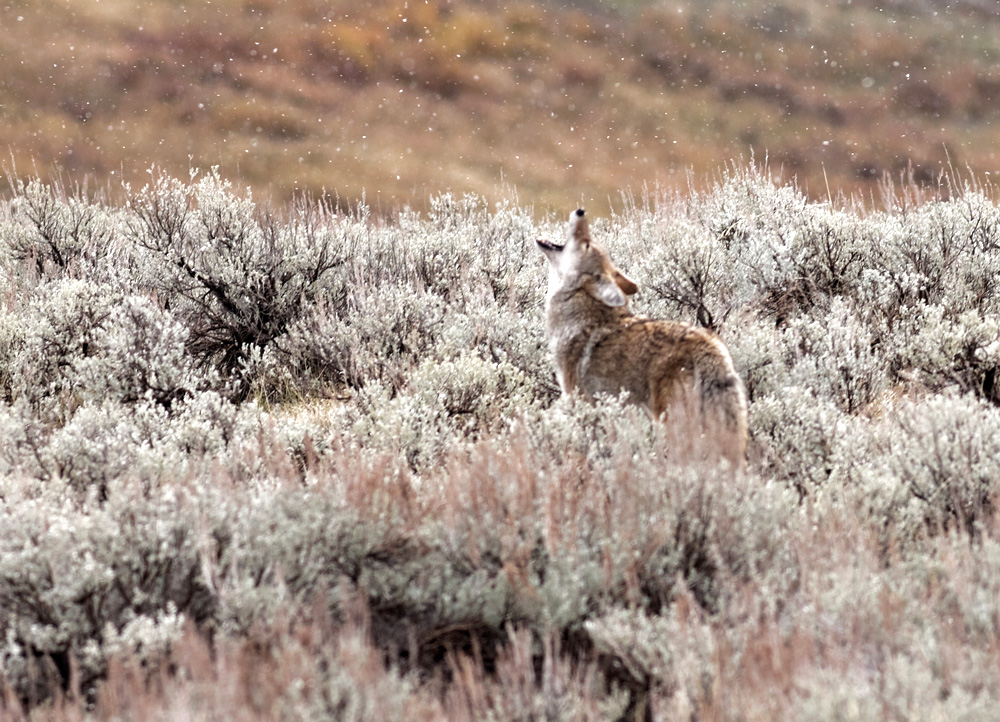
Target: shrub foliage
307, 463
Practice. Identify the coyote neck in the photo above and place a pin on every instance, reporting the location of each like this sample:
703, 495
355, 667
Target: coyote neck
575, 324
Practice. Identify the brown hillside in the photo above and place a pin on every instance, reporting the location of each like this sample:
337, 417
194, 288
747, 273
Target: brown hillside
402, 98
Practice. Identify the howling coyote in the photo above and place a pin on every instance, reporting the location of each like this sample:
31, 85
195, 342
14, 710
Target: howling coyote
679, 373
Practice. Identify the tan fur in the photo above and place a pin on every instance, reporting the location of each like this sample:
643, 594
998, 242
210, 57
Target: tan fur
679, 373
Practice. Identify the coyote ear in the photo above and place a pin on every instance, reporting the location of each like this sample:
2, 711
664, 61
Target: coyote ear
626, 284
607, 291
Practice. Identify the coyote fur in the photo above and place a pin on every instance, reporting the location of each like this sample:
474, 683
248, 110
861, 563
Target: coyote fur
678, 372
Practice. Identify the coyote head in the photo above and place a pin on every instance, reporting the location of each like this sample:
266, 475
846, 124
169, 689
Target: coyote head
582, 264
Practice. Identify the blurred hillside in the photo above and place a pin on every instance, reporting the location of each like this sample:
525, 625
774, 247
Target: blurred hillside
399, 99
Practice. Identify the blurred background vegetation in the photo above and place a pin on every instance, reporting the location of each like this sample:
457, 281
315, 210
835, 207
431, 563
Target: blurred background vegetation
565, 103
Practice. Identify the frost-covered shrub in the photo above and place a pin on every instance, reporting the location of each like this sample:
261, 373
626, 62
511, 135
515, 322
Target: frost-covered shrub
930, 292
100, 444
668, 654
22, 442
755, 350
310, 668
835, 356
78, 341
616, 519
572, 429
48, 341
55, 232
939, 350
802, 439
290, 545
829, 250
784, 256
379, 337
418, 289
505, 338
446, 403
441, 259
941, 252
932, 464
467, 255
83, 581
750, 244
755, 222
468, 386
506, 260
140, 354
688, 269
237, 276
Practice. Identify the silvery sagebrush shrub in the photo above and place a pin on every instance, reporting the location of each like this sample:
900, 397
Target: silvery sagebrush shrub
468, 255
940, 258
803, 440
756, 350
942, 251
902, 636
749, 244
293, 669
447, 402
286, 546
77, 341
755, 221
441, 255
107, 442
52, 335
685, 267
507, 339
486, 393
102, 443
21, 440
921, 617
515, 540
829, 248
933, 293
507, 259
585, 527
907, 636
834, 355
379, 336
236, 275
11, 340
86, 579
670, 653
572, 429
933, 463
940, 351
140, 354
57, 233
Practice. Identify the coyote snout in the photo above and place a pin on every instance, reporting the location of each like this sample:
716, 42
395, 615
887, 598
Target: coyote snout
678, 372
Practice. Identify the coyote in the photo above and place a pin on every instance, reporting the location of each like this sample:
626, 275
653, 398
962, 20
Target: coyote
679, 373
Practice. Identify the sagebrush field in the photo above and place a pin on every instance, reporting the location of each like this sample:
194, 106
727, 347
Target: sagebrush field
290, 463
